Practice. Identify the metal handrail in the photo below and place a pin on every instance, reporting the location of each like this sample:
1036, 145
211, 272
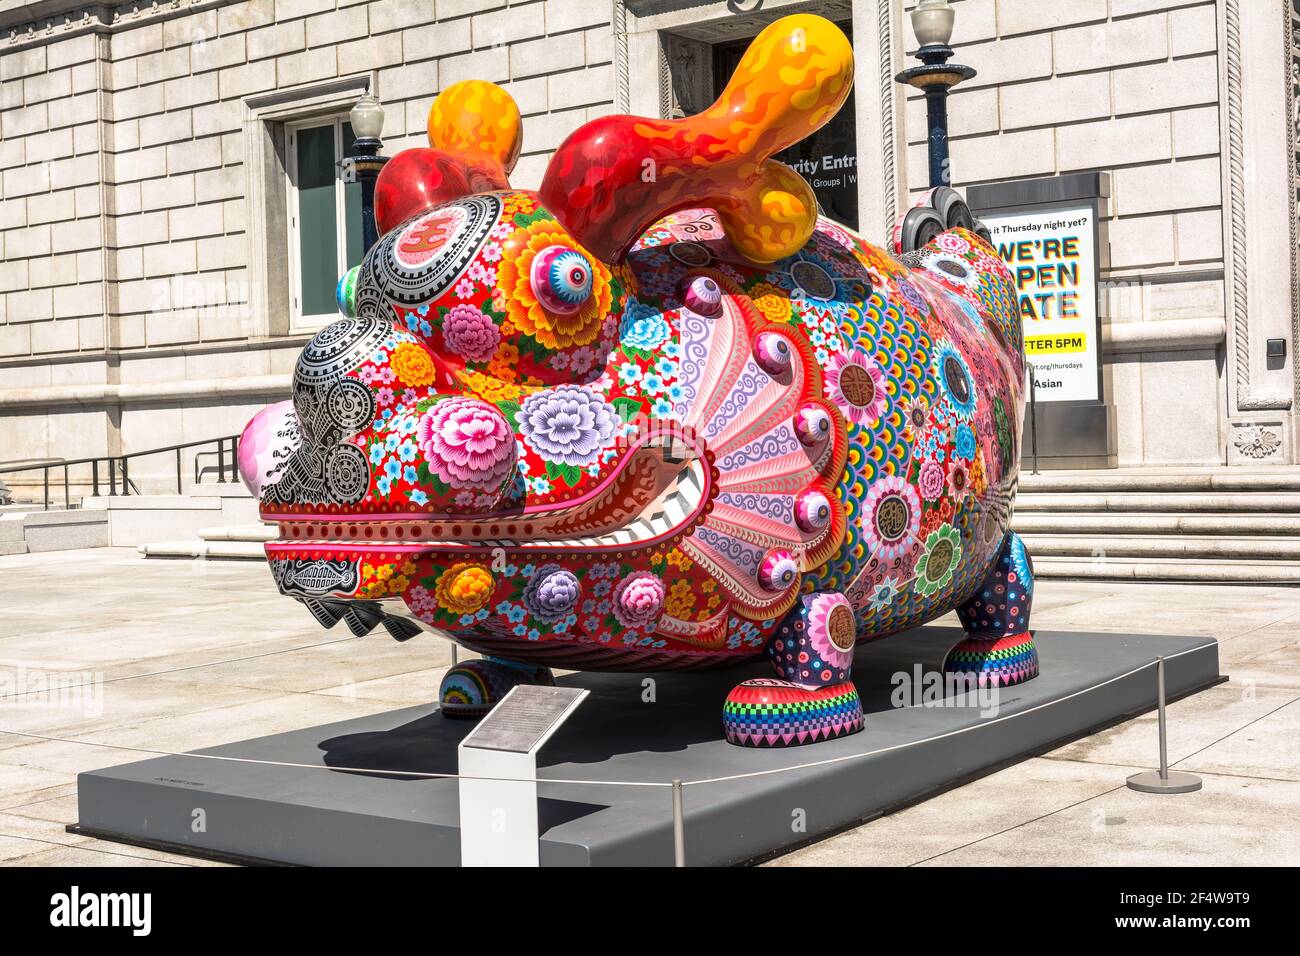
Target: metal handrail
119, 468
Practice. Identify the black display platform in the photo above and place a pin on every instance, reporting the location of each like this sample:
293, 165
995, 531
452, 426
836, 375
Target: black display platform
256, 812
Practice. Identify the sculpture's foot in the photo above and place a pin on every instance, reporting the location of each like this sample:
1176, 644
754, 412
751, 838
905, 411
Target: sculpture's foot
777, 713
999, 647
471, 689
998, 663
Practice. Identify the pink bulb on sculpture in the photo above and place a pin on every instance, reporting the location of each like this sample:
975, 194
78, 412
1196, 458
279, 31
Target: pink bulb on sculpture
266, 445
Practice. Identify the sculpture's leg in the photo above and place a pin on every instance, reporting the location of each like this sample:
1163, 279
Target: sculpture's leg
472, 688
999, 647
814, 699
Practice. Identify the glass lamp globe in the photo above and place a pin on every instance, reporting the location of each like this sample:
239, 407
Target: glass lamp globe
932, 22
367, 117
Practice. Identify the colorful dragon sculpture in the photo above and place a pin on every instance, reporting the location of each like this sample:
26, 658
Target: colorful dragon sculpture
658, 414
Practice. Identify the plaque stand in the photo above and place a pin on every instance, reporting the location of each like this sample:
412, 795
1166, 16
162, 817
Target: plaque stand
498, 766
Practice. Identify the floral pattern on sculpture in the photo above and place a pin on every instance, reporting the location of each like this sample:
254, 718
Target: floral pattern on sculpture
468, 332
552, 593
468, 444
524, 308
639, 600
855, 383
569, 425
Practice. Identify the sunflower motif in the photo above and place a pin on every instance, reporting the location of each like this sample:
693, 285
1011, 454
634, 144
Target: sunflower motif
525, 311
412, 364
771, 301
464, 588
938, 561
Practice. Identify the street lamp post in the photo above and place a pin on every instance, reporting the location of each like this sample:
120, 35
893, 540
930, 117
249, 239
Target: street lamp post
367, 119
932, 23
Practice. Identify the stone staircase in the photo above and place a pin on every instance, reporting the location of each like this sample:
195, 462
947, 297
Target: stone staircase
1220, 525
228, 542
232, 530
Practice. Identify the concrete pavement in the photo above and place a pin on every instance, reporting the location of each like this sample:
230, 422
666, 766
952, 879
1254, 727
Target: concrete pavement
184, 654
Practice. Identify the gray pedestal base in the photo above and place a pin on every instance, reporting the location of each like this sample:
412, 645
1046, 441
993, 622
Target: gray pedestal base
257, 812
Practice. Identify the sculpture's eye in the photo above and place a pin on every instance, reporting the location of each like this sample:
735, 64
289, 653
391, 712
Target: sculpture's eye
778, 571
812, 424
812, 510
561, 279
772, 352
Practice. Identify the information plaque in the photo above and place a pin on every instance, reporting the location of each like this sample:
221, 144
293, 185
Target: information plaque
498, 775
524, 718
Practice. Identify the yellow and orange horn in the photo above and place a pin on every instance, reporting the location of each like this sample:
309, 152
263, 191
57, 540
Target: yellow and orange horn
479, 123
610, 180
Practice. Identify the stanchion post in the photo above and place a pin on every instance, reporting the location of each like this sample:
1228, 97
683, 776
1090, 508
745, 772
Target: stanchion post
679, 826
1033, 416
1163, 780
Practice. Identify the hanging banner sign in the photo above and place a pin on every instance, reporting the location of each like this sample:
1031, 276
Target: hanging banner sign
1053, 256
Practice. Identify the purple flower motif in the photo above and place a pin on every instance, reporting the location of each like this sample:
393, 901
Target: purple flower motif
470, 334
911, 294
552, 593
569, 424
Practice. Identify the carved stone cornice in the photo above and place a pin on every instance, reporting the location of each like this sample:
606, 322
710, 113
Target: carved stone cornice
33, 24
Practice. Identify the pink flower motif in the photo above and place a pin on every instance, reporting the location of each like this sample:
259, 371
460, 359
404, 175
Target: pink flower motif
470, 334
959, 481
583, 359
952, 244
856, 385
468, 443
891, 517
931, 479
639, 600
831, 629
384, 396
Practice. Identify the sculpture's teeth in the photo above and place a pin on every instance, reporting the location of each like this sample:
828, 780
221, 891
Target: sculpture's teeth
362, 618
400, 629
326, 614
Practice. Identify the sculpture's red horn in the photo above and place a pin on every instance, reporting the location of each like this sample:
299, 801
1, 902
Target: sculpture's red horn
616, 175
475, 134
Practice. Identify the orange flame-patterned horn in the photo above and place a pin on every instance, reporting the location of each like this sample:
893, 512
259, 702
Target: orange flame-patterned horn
479, 122
475, 134
610, 180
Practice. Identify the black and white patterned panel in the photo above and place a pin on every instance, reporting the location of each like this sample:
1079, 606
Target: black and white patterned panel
311, 577
427, 255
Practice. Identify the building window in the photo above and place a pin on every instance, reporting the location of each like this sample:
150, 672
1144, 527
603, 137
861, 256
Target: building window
324, 219
828, 159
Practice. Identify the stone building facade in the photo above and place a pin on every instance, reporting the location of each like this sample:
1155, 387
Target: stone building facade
154, 195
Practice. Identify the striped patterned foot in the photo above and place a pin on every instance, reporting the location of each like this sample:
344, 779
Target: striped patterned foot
470, 690
776, 713
1000, 663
